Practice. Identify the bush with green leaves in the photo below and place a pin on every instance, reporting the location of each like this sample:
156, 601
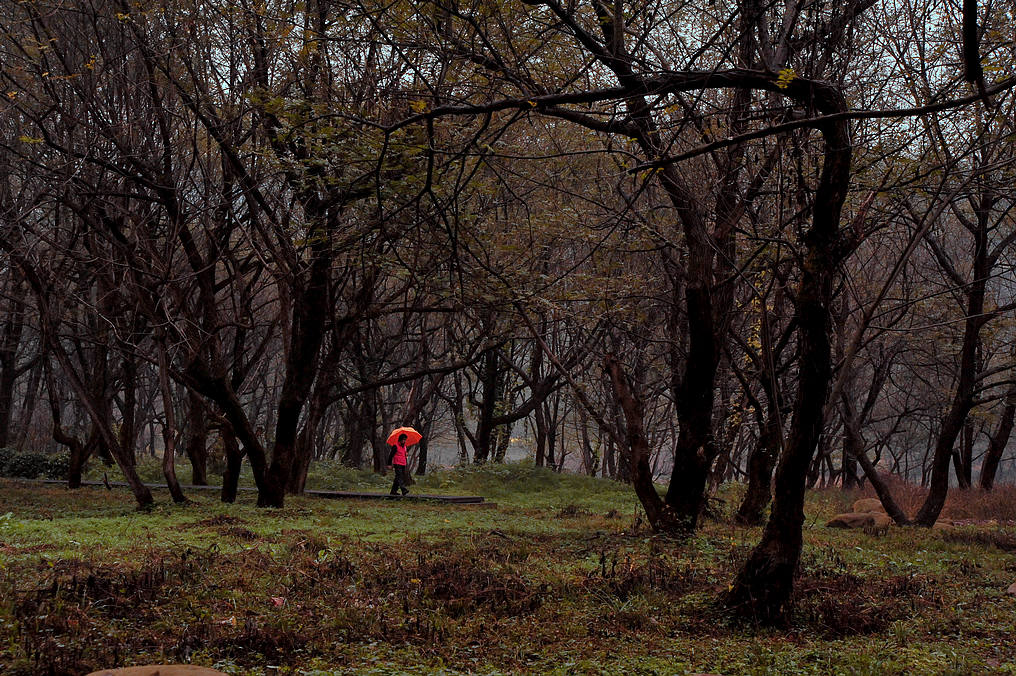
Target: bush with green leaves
32, 465
57, 466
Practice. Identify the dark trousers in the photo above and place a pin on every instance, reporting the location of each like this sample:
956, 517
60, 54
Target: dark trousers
401, 482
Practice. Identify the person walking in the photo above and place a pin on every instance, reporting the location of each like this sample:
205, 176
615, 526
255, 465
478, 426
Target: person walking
397, 461
400, 440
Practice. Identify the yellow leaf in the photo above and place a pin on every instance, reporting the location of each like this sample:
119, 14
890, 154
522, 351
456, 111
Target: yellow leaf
785, 77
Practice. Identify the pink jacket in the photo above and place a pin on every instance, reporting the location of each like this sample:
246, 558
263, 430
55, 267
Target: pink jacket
399, 457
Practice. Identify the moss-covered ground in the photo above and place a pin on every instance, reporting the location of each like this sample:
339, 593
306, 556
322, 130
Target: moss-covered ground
561, 577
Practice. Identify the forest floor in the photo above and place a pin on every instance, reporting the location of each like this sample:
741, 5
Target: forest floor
561, 577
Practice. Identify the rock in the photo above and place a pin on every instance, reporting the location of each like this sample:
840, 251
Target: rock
869, 505
879, 525
1011, 590
873, 523
160, 670
942, 525
851, 520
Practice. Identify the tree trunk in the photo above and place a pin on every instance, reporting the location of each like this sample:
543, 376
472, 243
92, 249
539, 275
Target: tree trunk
502, 440
234, 462
848, 470
540, 425
623, 470
304, 455
822, 452
609, 466
853, 443
218, 388
305, 442
555, 454
660, 516
316, 412
97, 405
461, 432
421, 460
169, 428
488, 404
310, 310
881, 489
764, 584
10, 341
31, 400
273, 493
760, 473
79, 457
695, 450
79, 451
197, 439
954, 420
998, 442
378, 450
129, 412
590, 459
356, 438
963, 456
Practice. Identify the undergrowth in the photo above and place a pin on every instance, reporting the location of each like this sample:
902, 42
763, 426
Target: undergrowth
971, 504
562, 577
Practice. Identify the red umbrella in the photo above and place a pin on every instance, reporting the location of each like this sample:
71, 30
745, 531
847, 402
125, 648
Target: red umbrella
412, 436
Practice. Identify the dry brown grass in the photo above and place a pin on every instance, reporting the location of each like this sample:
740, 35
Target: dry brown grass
909, 496
998, 504
972, 504
841, 604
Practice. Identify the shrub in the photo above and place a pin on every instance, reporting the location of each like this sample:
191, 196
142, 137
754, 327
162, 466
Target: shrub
32, 465
6, 455
978, 505
972, 504
57, 466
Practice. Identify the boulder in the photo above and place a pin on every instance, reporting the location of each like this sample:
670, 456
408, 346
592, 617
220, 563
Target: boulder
851, 520
943, 525
160, 670
1011, 590
879, 525
869, 505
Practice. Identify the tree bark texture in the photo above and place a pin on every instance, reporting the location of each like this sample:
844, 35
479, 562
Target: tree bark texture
234, 462
998, 442
963, 397
761, 463
764, 584
197, 439
661, 518
169, 427
489, 378
10, 341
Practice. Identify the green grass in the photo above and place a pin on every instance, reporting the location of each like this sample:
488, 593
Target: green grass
523, 484
560, 578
